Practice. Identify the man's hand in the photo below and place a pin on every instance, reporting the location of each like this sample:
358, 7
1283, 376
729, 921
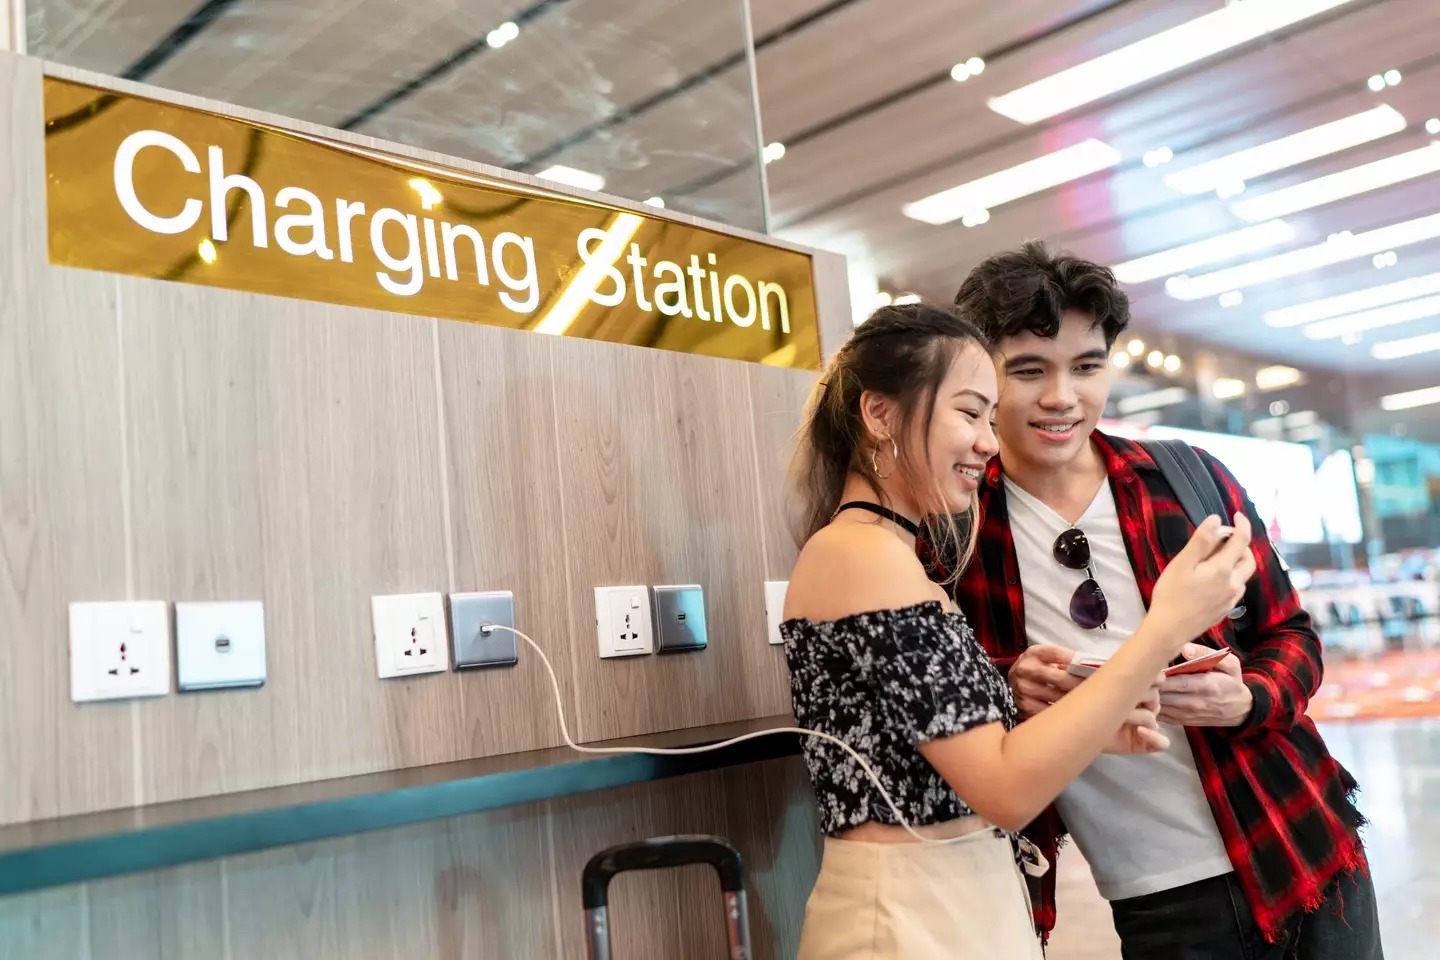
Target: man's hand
1215, 699
1038, 678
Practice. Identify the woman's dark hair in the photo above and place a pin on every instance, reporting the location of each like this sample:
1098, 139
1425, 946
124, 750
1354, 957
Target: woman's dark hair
1030, 289
900, 352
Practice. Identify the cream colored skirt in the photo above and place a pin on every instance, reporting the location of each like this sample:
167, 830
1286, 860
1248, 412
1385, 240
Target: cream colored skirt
919, 901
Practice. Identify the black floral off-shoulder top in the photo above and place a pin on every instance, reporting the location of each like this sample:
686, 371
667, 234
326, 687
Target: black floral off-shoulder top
886, 682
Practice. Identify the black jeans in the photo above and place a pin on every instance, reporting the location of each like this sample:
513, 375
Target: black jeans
1211, 920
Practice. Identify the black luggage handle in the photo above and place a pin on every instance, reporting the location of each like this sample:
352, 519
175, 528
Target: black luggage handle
659, 853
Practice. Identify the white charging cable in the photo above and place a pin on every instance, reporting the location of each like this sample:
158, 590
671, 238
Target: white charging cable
1038, 860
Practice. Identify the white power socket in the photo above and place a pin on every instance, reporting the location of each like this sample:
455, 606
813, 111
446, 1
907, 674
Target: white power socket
119, 650
775, 591
622, 621
410, 635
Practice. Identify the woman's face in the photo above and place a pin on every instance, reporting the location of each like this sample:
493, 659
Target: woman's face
962, 438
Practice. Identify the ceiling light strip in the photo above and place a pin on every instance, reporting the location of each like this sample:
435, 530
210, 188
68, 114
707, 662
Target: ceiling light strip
1355, 300
1339, 186
1022, 180
1154, 56
1289, 151
1410, 399
1409, 347
1227, 246
1390, 316
1306, 259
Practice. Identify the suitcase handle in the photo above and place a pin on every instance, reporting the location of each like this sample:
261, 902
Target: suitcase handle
656, 854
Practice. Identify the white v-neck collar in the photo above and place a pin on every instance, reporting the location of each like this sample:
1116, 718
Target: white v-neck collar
1098, 502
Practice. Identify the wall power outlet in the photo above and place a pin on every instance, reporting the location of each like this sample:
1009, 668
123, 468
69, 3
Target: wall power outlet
410, 634
622, 621
119, 650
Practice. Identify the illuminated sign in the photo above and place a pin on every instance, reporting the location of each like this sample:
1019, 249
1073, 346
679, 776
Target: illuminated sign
151, 189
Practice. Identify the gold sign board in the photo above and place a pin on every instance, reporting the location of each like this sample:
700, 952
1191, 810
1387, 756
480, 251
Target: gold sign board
151, 189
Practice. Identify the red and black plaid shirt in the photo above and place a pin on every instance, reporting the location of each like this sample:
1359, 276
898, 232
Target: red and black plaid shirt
1282, 803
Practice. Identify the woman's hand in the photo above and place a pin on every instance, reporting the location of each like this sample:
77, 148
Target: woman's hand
1203, 583
1141, 733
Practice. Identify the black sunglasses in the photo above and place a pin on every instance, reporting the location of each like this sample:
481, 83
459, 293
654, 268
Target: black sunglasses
1088, 607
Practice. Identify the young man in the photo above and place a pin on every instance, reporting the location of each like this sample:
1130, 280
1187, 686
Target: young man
1239, 841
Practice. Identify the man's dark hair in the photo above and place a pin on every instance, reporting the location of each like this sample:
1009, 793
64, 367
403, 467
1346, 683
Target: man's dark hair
1028, 290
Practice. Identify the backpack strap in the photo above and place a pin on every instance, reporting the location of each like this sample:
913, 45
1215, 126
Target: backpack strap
1188, 478
1193, 485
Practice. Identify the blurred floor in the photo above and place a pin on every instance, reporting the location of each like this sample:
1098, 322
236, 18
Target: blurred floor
1398, 765
1393, 686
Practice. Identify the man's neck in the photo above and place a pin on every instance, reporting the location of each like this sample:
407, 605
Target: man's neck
1068, 489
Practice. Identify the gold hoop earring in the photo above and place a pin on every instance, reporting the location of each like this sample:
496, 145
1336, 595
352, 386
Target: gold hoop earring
875, 458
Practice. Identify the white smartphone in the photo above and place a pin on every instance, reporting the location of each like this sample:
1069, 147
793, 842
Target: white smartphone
1084, 664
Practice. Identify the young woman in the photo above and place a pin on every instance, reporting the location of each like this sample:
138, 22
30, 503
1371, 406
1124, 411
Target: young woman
899, 428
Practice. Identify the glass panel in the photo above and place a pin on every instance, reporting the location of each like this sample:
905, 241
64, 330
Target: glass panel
638, 100
1340, 452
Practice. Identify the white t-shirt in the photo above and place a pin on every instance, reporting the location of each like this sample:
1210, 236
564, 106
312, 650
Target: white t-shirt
1142, 822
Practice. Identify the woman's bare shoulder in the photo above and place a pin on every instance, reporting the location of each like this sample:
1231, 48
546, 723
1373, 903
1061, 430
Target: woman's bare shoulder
849, 568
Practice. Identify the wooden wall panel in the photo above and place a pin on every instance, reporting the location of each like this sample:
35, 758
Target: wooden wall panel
778, 399
663, 491
503, 885
475, 886
289, 453
506, 523
665, 915
49, 925
166, 915
62, 510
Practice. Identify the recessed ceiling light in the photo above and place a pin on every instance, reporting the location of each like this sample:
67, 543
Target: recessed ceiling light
1376, 83
1223, 173
1353, 301
1432, 126
1172, 364
1392, 78
883, 299
502, 34
1279, 408
571, 177
1338, 186
1154, 56
905, 299
1032, 176
1231, 298
1227, 246
1121, 360
1227, 388
1396, 313
1410, 399
1135, 347
1277, 378
773, 151
975, 219
1408, 347
1155, 359
1158, 157
1305, 259
1387, 259
969, 68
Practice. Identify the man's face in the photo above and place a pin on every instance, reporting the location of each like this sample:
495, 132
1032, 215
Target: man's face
1052, 392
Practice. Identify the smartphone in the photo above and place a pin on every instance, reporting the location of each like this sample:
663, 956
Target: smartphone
1084, 664
1199, 665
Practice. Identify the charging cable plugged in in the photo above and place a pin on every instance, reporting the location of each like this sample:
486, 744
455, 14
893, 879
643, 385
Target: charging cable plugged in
1034, 863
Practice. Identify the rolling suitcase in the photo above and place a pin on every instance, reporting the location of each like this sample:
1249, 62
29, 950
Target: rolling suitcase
659, 853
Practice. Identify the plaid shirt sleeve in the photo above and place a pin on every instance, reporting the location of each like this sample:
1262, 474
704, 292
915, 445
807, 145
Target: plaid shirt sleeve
1282, 666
